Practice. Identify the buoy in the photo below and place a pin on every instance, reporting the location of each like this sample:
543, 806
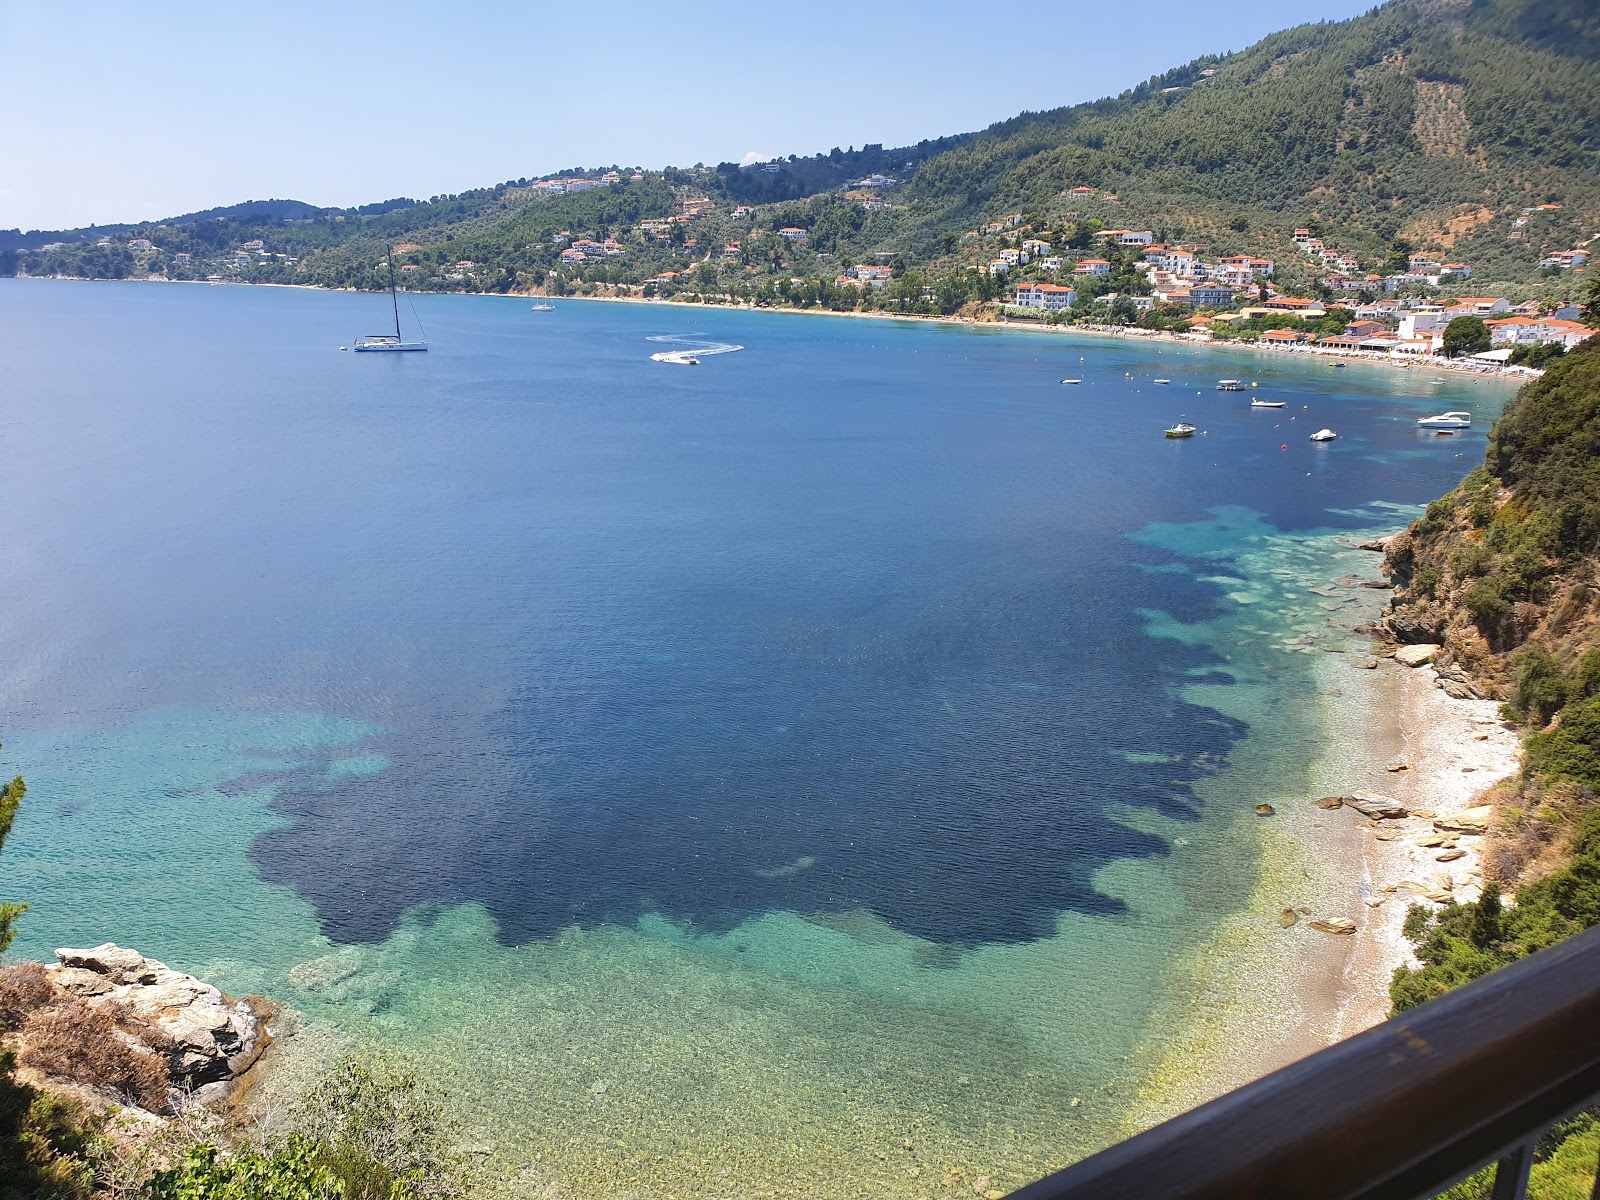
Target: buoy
1253, 383
1285, 446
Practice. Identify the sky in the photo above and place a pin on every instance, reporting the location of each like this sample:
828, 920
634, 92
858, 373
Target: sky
134, 111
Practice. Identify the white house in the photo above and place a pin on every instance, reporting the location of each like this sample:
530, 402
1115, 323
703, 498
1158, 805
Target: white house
793, 233
1092, 266
1560, 259
1051, 297
1051, 264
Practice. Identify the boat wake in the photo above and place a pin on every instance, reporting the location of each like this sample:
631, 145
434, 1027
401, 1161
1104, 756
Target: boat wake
694, 349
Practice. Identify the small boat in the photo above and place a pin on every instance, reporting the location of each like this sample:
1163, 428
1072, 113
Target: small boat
1260, 403
691, 362
388, 341
543, 306
1338, 366
1449, 420
1180, 430
1229, 385
1072, 381
1161, 381
1323, 435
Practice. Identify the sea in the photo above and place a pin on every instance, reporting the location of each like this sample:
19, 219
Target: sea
811, 771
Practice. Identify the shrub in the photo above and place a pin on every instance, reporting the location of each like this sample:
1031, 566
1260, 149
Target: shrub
24, 987
45, 1143
1541, 687
76, 1041
290, 1172
1487, 606
382, 1134
1572, 749
1465, 941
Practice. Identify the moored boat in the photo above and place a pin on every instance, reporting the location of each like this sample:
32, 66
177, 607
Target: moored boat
1230, 385
1181, 430
1260, 403
388, 341
1449, 420
1323, 435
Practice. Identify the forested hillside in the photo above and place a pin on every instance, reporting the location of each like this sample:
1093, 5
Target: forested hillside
1424, 124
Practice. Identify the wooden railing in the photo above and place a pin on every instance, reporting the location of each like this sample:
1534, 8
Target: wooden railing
1400, 1112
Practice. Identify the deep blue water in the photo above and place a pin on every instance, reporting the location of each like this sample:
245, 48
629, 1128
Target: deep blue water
848, 619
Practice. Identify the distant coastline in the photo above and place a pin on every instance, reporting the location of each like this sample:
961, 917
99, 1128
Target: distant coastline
1120, 333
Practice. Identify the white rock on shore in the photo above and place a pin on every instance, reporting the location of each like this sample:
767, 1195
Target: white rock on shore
216, 1038
1416, 656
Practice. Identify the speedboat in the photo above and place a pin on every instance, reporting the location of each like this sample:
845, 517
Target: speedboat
1161, 381
1449, 420
1229, 385
1323, 435
1181, 430
1260, 403
1072, 381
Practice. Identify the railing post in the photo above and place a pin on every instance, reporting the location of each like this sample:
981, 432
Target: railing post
1511, 1172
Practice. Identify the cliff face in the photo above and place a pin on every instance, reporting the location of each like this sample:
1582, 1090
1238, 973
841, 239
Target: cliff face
1503, 571
1504, 575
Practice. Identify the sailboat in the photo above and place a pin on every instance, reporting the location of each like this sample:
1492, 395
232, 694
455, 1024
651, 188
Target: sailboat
389, 341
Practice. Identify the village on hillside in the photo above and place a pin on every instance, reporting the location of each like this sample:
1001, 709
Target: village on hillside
1077, 267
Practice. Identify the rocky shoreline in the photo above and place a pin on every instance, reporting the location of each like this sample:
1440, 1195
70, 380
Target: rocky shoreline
114, 1029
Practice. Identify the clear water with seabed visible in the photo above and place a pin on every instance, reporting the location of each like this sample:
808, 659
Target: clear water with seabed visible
798, 773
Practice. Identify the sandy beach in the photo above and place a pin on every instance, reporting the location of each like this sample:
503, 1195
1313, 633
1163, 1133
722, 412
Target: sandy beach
1453, 750
1260, 995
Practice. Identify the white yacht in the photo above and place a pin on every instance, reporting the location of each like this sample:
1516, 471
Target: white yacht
1323, 435
1260, 403
543, 306
388, 341
1449, 420
1230, 385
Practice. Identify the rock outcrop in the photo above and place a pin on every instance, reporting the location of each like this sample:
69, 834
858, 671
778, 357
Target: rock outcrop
202, 1040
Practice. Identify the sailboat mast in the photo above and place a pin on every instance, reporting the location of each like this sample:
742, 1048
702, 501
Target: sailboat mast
394, 298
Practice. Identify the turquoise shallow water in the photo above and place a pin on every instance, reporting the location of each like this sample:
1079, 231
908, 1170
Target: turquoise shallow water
723, 777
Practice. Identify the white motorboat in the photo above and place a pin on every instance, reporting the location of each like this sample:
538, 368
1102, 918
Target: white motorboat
1260, 403
388, 341
1230, 385
1181, 430
1449, 420
1323, 435
1072, 381
1161, 381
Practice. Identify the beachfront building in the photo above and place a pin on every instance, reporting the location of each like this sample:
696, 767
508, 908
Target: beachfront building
1210, 295
1298, 305
1536, 331
1051, 297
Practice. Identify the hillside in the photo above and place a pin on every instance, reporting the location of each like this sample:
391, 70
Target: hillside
1504, 574
1465, 127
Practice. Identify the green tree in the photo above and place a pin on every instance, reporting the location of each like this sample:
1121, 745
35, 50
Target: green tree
1590, 312
1466, 335
10, 799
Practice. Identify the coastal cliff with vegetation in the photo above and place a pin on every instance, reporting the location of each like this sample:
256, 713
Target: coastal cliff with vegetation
1500, 582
